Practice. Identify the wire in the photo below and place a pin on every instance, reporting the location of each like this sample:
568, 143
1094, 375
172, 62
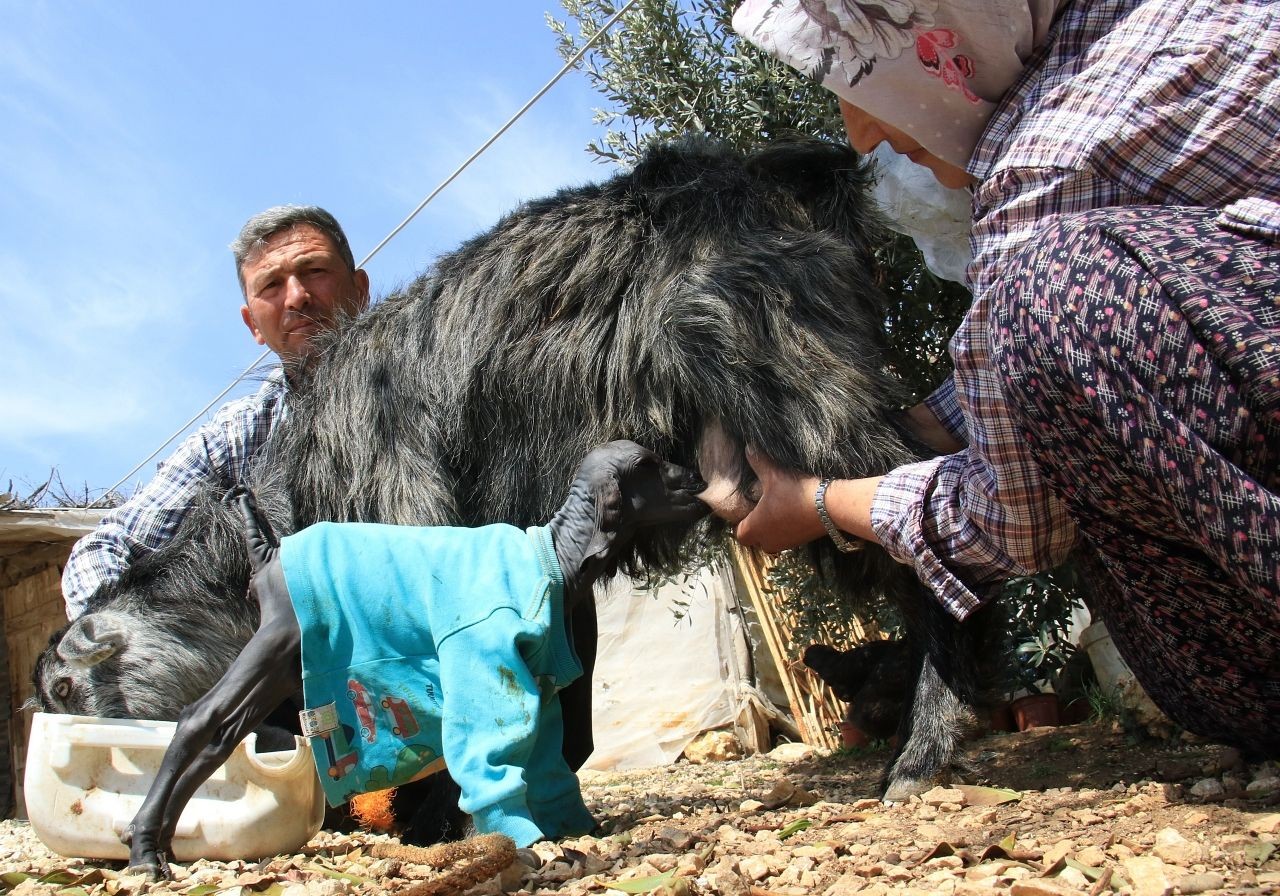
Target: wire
502, 130
204, 410
399, 227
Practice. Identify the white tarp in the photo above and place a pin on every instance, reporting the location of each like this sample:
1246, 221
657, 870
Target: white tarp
671, 665
51, 525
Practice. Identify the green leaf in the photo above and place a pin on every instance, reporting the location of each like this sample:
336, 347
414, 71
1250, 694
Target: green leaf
1087, 870
336, 875
60, 878
11, 879
641, 884
794, 828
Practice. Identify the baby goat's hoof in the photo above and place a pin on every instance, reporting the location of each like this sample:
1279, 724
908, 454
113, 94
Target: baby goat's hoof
156, 871
151, 862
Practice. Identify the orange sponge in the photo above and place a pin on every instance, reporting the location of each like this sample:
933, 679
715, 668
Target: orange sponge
373, 812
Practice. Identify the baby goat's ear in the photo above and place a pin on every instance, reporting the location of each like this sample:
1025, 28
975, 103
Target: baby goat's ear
91, 639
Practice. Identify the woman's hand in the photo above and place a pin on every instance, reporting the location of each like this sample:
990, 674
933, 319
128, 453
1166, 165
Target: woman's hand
786, 516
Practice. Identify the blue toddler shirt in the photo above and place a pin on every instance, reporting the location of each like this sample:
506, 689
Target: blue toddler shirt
422, 643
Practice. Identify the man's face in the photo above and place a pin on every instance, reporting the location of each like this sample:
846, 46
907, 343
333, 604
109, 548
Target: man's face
295, 287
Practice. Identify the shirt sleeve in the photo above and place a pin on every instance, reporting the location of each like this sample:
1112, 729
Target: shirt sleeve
944, 405
966, 526
218, 453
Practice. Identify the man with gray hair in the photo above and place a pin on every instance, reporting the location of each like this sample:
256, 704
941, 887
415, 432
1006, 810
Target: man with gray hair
298, 278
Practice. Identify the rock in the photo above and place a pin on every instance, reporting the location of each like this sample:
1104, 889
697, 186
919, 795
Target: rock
679, 838
1262, 788
986, 870
725, 880
1086, 816
1230, 758
713, 746
1070, 877
897, 873
1177, 768
846, 884
1091, 856
1059, 850
1195, 818
1199, 883
1266, 824
1208, 789
1172, 847
791, 752
754, 868
938, 796
1233, 787
512, 877
1148, 875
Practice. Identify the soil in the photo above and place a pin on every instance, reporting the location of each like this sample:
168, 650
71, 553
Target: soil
1095, 811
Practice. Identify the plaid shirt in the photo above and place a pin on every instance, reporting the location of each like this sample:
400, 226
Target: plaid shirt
218, 452
1162, 102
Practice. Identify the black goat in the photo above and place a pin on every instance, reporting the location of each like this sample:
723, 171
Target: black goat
701, 302
620, 490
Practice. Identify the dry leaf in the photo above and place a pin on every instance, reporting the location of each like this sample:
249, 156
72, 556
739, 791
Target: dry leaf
975, 795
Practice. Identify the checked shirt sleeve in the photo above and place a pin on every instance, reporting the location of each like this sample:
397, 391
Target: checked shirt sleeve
218, 453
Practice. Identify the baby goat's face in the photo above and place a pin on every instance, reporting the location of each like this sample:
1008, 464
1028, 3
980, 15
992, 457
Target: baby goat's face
654, 492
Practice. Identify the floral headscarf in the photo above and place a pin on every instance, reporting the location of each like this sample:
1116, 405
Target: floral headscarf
931, 68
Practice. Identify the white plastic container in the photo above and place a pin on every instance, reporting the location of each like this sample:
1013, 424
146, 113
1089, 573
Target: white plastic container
86, 779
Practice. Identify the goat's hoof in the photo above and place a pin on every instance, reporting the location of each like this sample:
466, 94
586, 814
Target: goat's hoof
156, 870
153, 863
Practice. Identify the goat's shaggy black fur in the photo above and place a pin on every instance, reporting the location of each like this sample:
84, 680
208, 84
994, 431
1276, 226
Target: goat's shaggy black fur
704, 291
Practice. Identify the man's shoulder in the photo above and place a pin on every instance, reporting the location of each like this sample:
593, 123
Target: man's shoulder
268, 398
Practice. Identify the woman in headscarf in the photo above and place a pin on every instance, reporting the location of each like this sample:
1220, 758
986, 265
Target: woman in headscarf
1117, 379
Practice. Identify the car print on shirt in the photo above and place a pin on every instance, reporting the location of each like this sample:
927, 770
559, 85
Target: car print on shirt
359, 697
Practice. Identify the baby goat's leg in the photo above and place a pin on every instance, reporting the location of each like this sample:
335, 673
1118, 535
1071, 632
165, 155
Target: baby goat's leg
264, 675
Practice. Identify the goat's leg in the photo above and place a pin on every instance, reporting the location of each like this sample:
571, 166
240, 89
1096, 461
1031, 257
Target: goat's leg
575, 700
933, 726
263, 676
940, 714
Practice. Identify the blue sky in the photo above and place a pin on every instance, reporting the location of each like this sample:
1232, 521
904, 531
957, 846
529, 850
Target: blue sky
136, 138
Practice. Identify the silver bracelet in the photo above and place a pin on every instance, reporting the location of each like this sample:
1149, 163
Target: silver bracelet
820, 501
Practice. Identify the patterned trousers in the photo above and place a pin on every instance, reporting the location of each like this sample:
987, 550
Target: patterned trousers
1140, 350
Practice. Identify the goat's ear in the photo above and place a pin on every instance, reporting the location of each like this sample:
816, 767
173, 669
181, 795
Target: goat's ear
91, 639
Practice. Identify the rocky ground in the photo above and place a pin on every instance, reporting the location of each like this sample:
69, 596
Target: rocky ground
1079, 809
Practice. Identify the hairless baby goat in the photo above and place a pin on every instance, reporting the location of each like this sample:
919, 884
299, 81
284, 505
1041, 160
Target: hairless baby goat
475, 618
